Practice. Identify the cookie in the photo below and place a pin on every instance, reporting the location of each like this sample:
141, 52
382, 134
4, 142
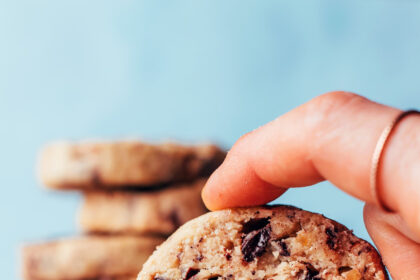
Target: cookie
125, 164
280, 242
88, 257
160, 212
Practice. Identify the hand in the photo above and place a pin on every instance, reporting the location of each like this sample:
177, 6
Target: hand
332, 138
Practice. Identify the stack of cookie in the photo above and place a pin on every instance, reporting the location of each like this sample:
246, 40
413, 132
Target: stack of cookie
135, 195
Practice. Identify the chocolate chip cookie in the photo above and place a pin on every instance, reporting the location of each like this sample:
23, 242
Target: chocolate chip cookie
89, 257
159, 212
273, 243
124, 164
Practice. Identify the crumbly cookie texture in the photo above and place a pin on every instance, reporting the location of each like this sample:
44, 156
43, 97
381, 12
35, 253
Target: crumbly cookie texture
159, 212
124, 164
271, 243
89, 257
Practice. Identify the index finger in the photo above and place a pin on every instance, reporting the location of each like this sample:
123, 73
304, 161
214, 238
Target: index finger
330, 138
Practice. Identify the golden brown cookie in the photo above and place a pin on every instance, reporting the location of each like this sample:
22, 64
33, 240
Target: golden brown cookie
87, 257
124, 164
160, 212
275, 243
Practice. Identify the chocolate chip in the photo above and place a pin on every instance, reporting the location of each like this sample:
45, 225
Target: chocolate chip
255, 242
190, 273
255, 224
311, 272
331, 238
284, 250
159, 278
213, 278
343, 269
330, 232
228, 256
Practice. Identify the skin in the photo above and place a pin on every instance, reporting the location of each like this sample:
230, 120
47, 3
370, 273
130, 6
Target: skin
332, 137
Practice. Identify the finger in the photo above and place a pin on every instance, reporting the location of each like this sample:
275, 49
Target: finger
309, 144
256, 192
331, 137
400, 254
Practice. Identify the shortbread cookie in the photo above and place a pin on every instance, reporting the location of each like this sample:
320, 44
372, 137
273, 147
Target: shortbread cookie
89, 257
271, 243
129, 164
160, 212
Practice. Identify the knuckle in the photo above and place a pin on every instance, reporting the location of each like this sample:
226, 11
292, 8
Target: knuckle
326, 106
323, 114
334, 100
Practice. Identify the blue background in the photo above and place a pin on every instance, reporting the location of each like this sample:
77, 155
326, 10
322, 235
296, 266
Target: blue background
187, 70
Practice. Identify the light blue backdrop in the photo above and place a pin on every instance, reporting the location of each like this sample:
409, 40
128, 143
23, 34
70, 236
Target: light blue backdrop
188, 70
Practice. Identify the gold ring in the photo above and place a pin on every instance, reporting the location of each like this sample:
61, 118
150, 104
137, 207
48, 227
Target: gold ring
377, 154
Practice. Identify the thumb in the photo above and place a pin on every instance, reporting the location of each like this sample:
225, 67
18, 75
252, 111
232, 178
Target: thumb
399, 247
